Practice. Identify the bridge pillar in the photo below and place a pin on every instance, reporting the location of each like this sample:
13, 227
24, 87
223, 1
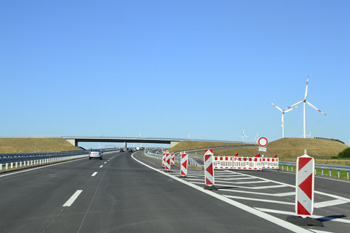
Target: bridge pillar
73, 142
125, 145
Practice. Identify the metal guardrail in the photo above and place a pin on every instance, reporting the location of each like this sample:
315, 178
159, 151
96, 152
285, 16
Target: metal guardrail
18, 157
321, 166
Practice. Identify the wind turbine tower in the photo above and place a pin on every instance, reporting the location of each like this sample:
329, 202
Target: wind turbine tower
244, 136
283, 112
306, 102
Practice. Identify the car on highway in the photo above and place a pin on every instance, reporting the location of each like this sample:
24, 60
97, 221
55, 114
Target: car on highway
95, 154
121, 150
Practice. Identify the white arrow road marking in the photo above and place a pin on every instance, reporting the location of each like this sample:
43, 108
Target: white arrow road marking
72, 198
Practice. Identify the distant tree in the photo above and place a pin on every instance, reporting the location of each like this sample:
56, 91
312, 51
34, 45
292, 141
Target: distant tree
345, 153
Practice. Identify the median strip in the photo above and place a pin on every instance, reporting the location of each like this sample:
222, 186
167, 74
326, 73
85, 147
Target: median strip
72, 199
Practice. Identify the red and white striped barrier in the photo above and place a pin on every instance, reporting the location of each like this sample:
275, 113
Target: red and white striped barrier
304, 199
167, 161
222, 162
270, 163
245, 163
184, 163
163, 159
172, 159
209, 168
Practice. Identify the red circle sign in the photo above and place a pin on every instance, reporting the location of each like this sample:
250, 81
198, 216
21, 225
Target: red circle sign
263, 142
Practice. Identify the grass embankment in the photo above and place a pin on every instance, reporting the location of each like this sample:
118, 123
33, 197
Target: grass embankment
191, 145
35, 145
287, 149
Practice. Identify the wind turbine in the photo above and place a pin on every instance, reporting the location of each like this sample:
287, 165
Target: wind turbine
244, 136
306, 102
283, 112
256, 138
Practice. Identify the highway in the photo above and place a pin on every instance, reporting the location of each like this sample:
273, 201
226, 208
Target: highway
131, 193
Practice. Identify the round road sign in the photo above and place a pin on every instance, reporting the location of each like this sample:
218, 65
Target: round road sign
263, 141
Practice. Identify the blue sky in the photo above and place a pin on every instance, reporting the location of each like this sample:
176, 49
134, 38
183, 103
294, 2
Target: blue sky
170, 68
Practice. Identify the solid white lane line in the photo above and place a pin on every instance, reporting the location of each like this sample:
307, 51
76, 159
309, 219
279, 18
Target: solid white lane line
261, 200
94, 174
101, 166
270, 218
312, 216
72, 198
329, 203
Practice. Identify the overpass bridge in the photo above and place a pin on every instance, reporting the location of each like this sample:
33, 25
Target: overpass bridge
172, 141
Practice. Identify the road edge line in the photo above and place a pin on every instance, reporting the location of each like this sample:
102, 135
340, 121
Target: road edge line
258, 213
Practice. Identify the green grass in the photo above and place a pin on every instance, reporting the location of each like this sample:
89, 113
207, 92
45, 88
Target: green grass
35, 145
326, 172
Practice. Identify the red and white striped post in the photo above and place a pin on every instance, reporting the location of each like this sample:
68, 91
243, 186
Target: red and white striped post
304, 200
167, 161
172, 159
209, 170
184, 163
163, 159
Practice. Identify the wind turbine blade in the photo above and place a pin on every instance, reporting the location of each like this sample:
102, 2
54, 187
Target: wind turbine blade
316, 108
295, 104
276, 106
292, 108
307, 86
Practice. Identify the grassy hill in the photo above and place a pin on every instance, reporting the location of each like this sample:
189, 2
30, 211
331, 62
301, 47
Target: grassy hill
286, 148
290, 148
190, 145
33, 145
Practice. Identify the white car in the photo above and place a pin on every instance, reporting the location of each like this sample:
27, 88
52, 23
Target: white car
95, 154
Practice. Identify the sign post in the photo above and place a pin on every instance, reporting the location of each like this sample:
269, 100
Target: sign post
262, 144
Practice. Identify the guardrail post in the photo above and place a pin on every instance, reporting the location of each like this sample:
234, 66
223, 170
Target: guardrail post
6, 166
322, 171
330, 172
287, 167
347, 175
338, 174
11, 165
0, 166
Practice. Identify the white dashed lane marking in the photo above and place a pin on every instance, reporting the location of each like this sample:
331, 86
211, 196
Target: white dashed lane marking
72, 199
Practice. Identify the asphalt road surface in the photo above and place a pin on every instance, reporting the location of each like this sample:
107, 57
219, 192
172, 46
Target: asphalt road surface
120, 194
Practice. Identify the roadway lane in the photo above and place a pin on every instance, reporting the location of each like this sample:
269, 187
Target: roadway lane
124, 196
